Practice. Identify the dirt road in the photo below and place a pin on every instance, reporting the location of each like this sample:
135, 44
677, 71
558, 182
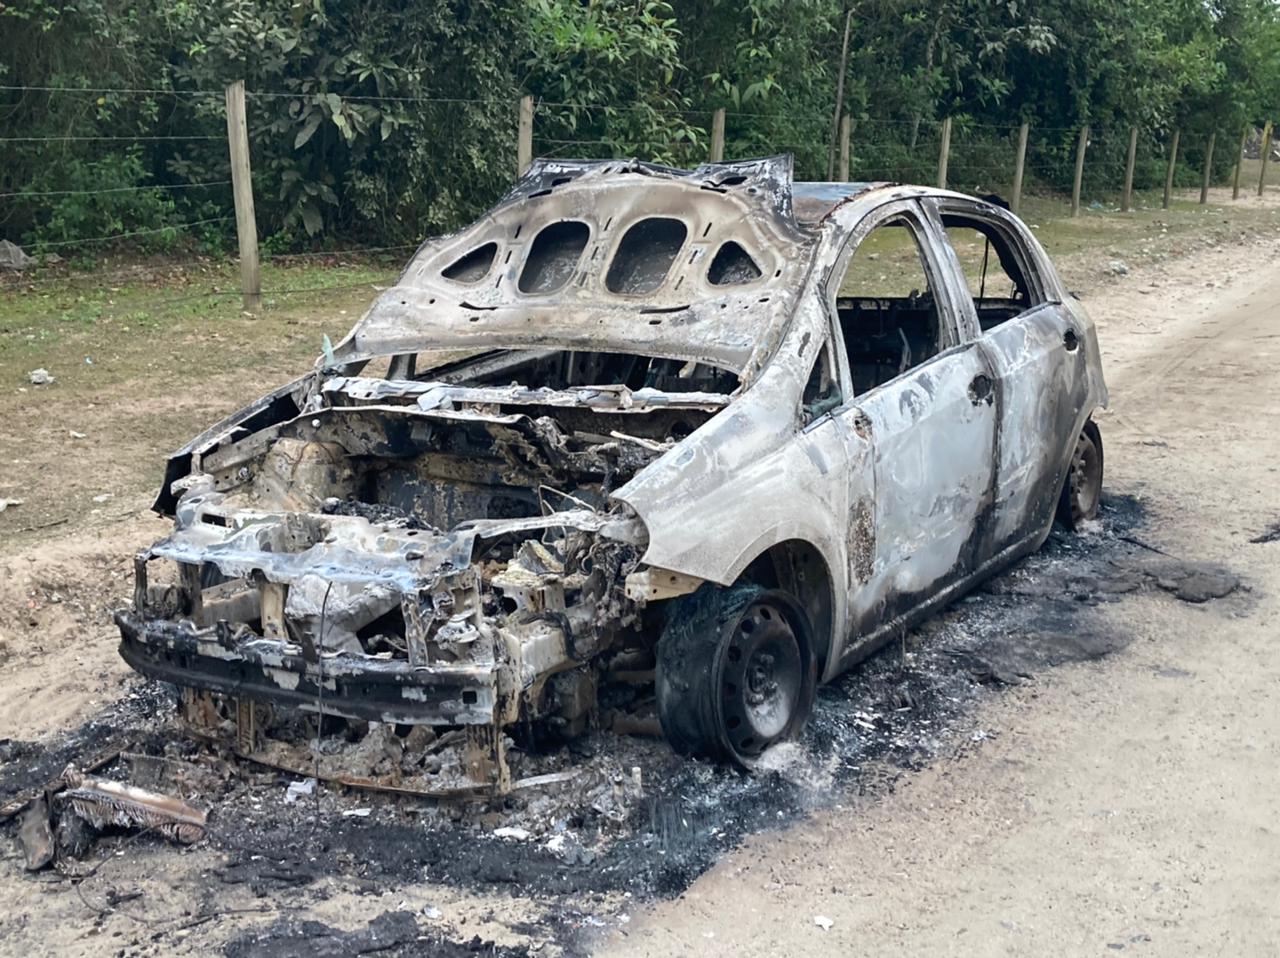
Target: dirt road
1130, 805
1126, 804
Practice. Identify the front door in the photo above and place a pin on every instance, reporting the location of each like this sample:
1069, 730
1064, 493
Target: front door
932, 438
923, 401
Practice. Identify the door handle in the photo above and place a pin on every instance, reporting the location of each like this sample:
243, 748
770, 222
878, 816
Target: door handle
1070, 340
980, 389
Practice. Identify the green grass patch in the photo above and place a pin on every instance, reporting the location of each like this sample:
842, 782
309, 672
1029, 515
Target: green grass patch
92, 332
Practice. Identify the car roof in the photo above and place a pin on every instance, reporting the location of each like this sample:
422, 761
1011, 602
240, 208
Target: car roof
807, 202
812, 201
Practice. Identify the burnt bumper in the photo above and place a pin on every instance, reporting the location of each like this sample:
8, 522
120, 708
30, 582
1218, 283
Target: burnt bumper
351, 686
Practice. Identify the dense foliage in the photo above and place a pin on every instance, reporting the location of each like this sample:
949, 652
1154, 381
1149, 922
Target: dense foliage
378, 122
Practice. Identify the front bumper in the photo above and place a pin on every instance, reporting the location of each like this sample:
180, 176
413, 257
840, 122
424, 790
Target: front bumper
341, 684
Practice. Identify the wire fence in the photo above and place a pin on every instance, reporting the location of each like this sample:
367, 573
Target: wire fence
193, 206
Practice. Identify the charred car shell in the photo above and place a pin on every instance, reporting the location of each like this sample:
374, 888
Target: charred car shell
628, 423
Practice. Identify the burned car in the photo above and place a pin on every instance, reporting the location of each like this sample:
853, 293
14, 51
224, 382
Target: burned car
715, 435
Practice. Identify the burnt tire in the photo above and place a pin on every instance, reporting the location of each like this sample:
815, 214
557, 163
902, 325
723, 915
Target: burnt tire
736, 672
1082, 488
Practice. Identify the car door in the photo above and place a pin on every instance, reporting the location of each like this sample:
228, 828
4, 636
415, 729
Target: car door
929, 421
1038, 352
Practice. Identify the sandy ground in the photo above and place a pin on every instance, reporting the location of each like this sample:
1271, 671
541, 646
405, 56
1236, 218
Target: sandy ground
58, 662
1128, 804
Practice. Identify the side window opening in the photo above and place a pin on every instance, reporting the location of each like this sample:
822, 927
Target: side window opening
473, 266
731, 266
888, 313
553, 256
645, 254
821, 392
991, 270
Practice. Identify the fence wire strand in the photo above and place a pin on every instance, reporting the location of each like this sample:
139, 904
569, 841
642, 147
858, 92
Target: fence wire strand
30, 194
106, 139
147, 232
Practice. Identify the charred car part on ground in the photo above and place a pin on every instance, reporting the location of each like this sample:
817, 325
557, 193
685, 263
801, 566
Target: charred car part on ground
673, 446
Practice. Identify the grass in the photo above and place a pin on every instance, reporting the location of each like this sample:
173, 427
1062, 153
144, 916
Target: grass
182, 323
1080, 245
1250, 170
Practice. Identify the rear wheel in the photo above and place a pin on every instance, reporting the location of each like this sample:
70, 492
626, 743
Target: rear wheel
736, 672
1082, 490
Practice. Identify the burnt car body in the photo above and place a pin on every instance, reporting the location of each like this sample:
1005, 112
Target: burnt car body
632, 421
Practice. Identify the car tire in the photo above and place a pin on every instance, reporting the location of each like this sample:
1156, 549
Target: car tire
1082, 489
736, 672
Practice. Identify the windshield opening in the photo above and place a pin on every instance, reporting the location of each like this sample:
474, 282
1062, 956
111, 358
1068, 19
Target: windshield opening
557, 369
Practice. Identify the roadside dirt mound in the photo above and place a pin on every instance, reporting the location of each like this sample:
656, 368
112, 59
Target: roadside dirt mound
57, 643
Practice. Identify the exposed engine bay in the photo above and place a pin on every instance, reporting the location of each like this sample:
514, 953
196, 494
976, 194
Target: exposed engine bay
425, 549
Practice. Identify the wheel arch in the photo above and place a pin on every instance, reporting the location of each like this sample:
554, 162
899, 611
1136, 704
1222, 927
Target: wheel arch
1062, 463
798, 567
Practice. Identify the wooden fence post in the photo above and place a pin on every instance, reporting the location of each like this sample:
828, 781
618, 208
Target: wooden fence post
1208, 169
1019, 167
1266, 155
524, 141
1075, 184
838, 112
1235, 181
242, 189
944, 148
717, 136
1126, 200
846, 129
1168, 173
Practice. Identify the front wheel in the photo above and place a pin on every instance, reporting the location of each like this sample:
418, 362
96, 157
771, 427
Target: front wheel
735, 672
1082, 490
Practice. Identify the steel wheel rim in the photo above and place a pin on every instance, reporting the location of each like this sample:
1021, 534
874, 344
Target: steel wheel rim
1086, 478
761, 679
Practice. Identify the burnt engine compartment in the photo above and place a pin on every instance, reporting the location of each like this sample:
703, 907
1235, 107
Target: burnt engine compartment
498, 465
414, 552
586, 428
373, 452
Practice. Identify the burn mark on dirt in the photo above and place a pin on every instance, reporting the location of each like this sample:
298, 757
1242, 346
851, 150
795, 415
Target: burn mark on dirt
1270, 534
26, 767
638, 819
392, 933
1193, 581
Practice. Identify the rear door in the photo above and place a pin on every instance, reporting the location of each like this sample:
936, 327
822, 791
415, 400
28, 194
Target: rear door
922, 397
1036, 350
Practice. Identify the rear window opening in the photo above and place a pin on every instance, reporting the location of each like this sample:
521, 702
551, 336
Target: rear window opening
554, 256
731, 266
644, 255
472, 267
